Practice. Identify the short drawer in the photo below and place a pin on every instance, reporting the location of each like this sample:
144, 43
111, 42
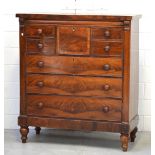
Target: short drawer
40, 30
74, 107
74, 85
107, 33
102, 48
74, 65
44, 46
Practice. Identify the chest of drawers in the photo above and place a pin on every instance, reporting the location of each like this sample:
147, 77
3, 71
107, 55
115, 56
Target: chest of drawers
79, 72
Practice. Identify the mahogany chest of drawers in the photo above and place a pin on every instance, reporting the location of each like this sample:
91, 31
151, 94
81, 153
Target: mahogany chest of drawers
79, 72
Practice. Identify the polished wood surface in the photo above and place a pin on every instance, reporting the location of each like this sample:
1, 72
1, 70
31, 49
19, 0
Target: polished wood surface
74, 85
45, 46
77, 72
74, 65
72, 40
74, 107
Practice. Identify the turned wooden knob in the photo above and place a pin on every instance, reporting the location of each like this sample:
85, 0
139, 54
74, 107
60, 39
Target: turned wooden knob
39, 31
40, 84
106, 87
107, 33
105, 109
40, 64
40, 45
106, 67
40, 105
73, 29
107, 48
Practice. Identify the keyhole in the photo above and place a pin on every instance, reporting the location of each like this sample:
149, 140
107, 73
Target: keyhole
73, 60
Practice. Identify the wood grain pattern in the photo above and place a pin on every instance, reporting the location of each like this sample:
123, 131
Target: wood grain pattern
74, 65
107, 33
77, 72
106, 48
74, 107
45, 46
39, 30
74, 85
73, 40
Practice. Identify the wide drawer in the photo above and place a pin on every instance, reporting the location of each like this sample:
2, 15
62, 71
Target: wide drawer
74, 85
45, 46
39, 30
104, 48
74, 65
74, 107
107, 33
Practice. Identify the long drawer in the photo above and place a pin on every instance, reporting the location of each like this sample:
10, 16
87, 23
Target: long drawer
74, 107
74, 85
74, 65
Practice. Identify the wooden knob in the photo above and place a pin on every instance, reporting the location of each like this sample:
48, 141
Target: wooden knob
40, 64
40, 45
40, 105
105, 109
39, 31
107, 48
73, 29
106, 87
106, 67
40, 84
107, 33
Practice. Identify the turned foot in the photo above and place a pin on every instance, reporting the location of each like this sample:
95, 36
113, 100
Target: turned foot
124, 141
37, 130
24, 131
133, 134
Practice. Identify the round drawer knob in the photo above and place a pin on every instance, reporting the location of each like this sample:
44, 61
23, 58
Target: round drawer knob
40, 84
106, 87
40, 64
40, 45
105, 109
40, 105
39, 31
107, 33
107, 48
106, 67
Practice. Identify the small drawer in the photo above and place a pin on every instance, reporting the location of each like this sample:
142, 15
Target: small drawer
74, 65
74, 85
102, 48
107, 33
44, 46
74, 107
39, 30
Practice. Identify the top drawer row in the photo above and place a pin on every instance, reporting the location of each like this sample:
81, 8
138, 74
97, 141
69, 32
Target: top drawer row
96, 33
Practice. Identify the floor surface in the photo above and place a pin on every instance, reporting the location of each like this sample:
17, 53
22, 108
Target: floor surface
61, 142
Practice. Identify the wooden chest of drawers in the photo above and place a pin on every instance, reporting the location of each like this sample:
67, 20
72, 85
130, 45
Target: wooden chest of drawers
79, 72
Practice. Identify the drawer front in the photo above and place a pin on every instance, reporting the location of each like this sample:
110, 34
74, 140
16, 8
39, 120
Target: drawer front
101, 48
44, 46
74, 107
74, 85
107, 33
73, 40
40, 30
75, 65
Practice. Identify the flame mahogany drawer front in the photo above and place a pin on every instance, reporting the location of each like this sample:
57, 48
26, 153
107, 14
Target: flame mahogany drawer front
74, 107
74, 85
75, 65
79, 72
